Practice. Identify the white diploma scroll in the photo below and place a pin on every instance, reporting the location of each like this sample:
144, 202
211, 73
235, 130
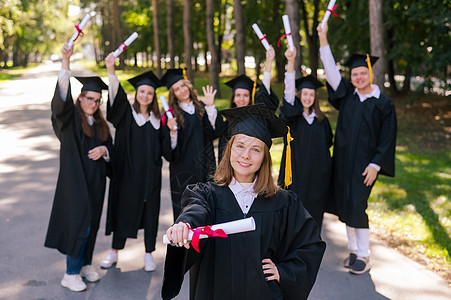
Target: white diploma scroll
327, 14
166, 108
77, 33
125, 44
261, 36
286, 24
232, 227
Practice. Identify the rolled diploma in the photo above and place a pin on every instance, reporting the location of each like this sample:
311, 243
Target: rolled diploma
261, 36
327, 14
232, 227
80, 26
286, 24
166, 108
127, 43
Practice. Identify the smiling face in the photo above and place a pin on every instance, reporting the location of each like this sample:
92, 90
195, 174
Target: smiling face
144, 95
90, 102
241, 97
181, 91
307, 97
246, 157
360, 78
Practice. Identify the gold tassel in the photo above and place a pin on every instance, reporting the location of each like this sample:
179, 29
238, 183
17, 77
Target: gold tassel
184, 74
288, 172
368, 62
253, 91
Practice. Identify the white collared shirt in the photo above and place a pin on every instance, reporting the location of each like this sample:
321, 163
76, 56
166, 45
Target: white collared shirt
376, 93
244, 194
309, 118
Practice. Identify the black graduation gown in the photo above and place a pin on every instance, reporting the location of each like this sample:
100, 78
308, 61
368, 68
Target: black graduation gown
261, 96
80, 189
231, 268
193, 160
366, 133
136, 182
311, 163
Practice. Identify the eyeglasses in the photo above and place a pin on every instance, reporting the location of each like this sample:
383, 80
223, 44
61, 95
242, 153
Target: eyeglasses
94, 100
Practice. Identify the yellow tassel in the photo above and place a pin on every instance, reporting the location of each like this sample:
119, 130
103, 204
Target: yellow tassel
288, 172
253, 91
184, 74
368, 62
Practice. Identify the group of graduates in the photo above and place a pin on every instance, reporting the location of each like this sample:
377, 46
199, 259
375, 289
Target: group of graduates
280, 259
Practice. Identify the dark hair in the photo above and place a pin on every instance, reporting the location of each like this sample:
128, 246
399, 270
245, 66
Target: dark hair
264, 185
102, 126
178, 111
232, 103
319, 113
153, 106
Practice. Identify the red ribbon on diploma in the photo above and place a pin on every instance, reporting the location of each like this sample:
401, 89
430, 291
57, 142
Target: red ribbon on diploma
123, 46
163, 117
80, 32
332, 11
285, 35
206, 230
264, 38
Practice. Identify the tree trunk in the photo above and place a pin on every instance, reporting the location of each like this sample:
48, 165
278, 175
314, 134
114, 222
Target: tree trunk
117, 30
214, 65
170, 26
391, 64
406, 84
240, 46
312, 36
156, 39
188, 38
377, 41
292, 8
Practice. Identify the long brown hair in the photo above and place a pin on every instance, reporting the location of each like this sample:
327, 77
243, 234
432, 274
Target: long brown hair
101, 124
264, 185
178, 111
153, 106
319, 113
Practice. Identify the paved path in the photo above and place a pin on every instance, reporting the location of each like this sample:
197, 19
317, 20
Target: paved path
28, 173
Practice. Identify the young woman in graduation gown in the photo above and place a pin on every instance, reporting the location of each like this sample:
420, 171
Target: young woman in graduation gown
140, 141
193, 159
365, 141
279, 259
245, 92
312, 137
85, 146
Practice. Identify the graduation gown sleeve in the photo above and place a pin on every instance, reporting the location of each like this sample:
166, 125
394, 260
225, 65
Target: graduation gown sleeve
269, 99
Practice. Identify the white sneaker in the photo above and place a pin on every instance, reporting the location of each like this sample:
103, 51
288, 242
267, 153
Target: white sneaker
73, 282
89, 272
109, 260
149, 264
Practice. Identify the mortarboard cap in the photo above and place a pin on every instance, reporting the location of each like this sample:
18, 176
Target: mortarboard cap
360, 60
255, 120
92, 84
146, 78
308, 82
241, 82
172, 76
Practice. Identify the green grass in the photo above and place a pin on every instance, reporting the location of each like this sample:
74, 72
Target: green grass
411, 211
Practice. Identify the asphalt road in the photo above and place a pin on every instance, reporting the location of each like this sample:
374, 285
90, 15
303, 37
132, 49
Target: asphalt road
28, 172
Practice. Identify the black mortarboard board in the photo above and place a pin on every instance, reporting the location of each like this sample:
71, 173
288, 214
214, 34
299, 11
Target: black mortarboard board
308, 82
242, 82
255, 120
359, 60
92, 84
146, 78
172, 76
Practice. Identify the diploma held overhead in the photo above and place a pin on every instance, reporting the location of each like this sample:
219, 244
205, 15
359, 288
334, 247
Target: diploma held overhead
330, 10
286, 24
125, 44
220, 230
79, 31
261, 36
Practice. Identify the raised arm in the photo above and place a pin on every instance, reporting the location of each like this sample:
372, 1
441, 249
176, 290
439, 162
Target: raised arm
290, 88
332, 73
270, 55
113, 81
64, 74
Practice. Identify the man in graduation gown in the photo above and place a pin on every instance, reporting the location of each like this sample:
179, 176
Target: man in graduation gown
235, 267
364, 147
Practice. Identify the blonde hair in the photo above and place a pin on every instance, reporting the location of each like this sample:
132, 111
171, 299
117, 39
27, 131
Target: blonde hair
178, 111
264, 185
